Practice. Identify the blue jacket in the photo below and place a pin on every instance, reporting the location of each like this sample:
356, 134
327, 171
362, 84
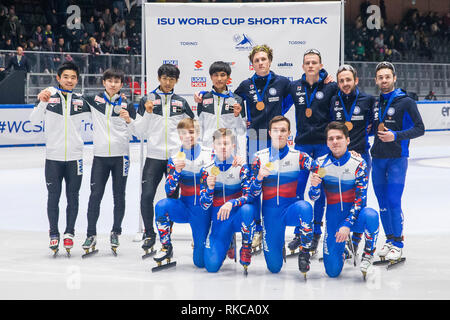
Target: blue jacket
361, 118
312, 130
402, 118
276, 99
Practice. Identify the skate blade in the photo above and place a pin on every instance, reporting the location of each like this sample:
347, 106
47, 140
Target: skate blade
393, 263
68, 253
148, 254
256, 251
245, 271
55, 252
114, 251
293, 254
164, 266
380, 262
90, 253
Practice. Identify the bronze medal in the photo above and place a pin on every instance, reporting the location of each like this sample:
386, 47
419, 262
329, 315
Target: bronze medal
381, 127
215, 171
260, 106
322, 172
349, 125
308, 112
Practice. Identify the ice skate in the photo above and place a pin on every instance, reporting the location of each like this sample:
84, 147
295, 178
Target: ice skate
149, 242
68, 242
294, 245
257, 242
382, 254
231, 253
315, 244
114, 240
303, 262
54, 245
366, 263
89, 246
394, 256
245, 257
165, 253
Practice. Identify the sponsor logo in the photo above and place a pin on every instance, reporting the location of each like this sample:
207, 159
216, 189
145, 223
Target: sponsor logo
297, 42
319, 95
285, 65
174, 62
272, 91
357, 110
243, 42
391, 111
198, 82
198, 65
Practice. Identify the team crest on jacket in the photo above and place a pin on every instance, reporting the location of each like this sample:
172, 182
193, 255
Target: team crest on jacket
391, 111
319, 95
272, 91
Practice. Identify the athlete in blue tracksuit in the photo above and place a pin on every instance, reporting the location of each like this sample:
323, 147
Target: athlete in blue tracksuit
184, 172
225, 191
276, 170
396, 120
345, 185
312, 98
355, 108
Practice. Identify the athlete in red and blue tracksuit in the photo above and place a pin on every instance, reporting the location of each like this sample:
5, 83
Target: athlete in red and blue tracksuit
400, 115
345, 187
232, 185
310, 136
280, 205
187, 208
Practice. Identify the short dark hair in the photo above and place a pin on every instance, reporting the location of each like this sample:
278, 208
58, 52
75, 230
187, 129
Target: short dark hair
219, 66
68, 65
224, 132
347, 67
113, 73
278, 119
385, 65
169, 70
337, 125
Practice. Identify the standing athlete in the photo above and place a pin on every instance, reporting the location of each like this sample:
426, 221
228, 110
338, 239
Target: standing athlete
396, 121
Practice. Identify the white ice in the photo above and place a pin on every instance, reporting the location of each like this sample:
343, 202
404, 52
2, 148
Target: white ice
27, 270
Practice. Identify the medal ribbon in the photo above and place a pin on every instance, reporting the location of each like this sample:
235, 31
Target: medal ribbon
352, 108
261, 97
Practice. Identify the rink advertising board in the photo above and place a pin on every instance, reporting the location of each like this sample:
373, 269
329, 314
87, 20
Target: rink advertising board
16, 130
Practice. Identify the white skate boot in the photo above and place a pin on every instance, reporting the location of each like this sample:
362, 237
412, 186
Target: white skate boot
384, 250
366, 263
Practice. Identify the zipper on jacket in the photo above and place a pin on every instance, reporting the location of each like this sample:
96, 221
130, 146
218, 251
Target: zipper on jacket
218, 112
65, 127
108, 119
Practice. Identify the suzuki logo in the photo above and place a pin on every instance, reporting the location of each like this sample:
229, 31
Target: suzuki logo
198, 64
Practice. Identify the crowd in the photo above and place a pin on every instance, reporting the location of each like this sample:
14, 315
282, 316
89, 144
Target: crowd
420, 36
113, 29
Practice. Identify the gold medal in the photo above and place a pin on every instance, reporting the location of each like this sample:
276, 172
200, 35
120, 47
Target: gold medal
260, 106
215, 171
181, 155
381, 127
349, 125
322, 172
308, 112
270, 166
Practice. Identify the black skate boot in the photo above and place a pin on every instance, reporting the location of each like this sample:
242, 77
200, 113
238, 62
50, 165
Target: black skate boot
114, 241
166, 253
303, 262
315, 244
149, 242
295, 244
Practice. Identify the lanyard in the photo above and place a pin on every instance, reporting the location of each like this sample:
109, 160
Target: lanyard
261, 97
309, 101
348, 116
117, 103
66, 91
391, 98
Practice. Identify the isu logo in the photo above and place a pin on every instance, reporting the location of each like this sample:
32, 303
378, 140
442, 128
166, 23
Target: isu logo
198, 64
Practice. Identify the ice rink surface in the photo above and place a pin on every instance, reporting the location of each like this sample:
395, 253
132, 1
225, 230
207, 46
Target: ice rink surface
28, 271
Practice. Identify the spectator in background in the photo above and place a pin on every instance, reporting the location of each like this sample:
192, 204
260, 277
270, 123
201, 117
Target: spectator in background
94, 50
38, 36
122, 44
101, 26
430, 96
379, 41
360, 51
90, 26
107, 47
12, 28
120, 5
8, 45
48, 33
18, 62
119, 27
62, 46
115, 16
106, 16
49, 59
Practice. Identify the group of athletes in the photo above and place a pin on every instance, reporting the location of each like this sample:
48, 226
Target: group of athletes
229, 168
